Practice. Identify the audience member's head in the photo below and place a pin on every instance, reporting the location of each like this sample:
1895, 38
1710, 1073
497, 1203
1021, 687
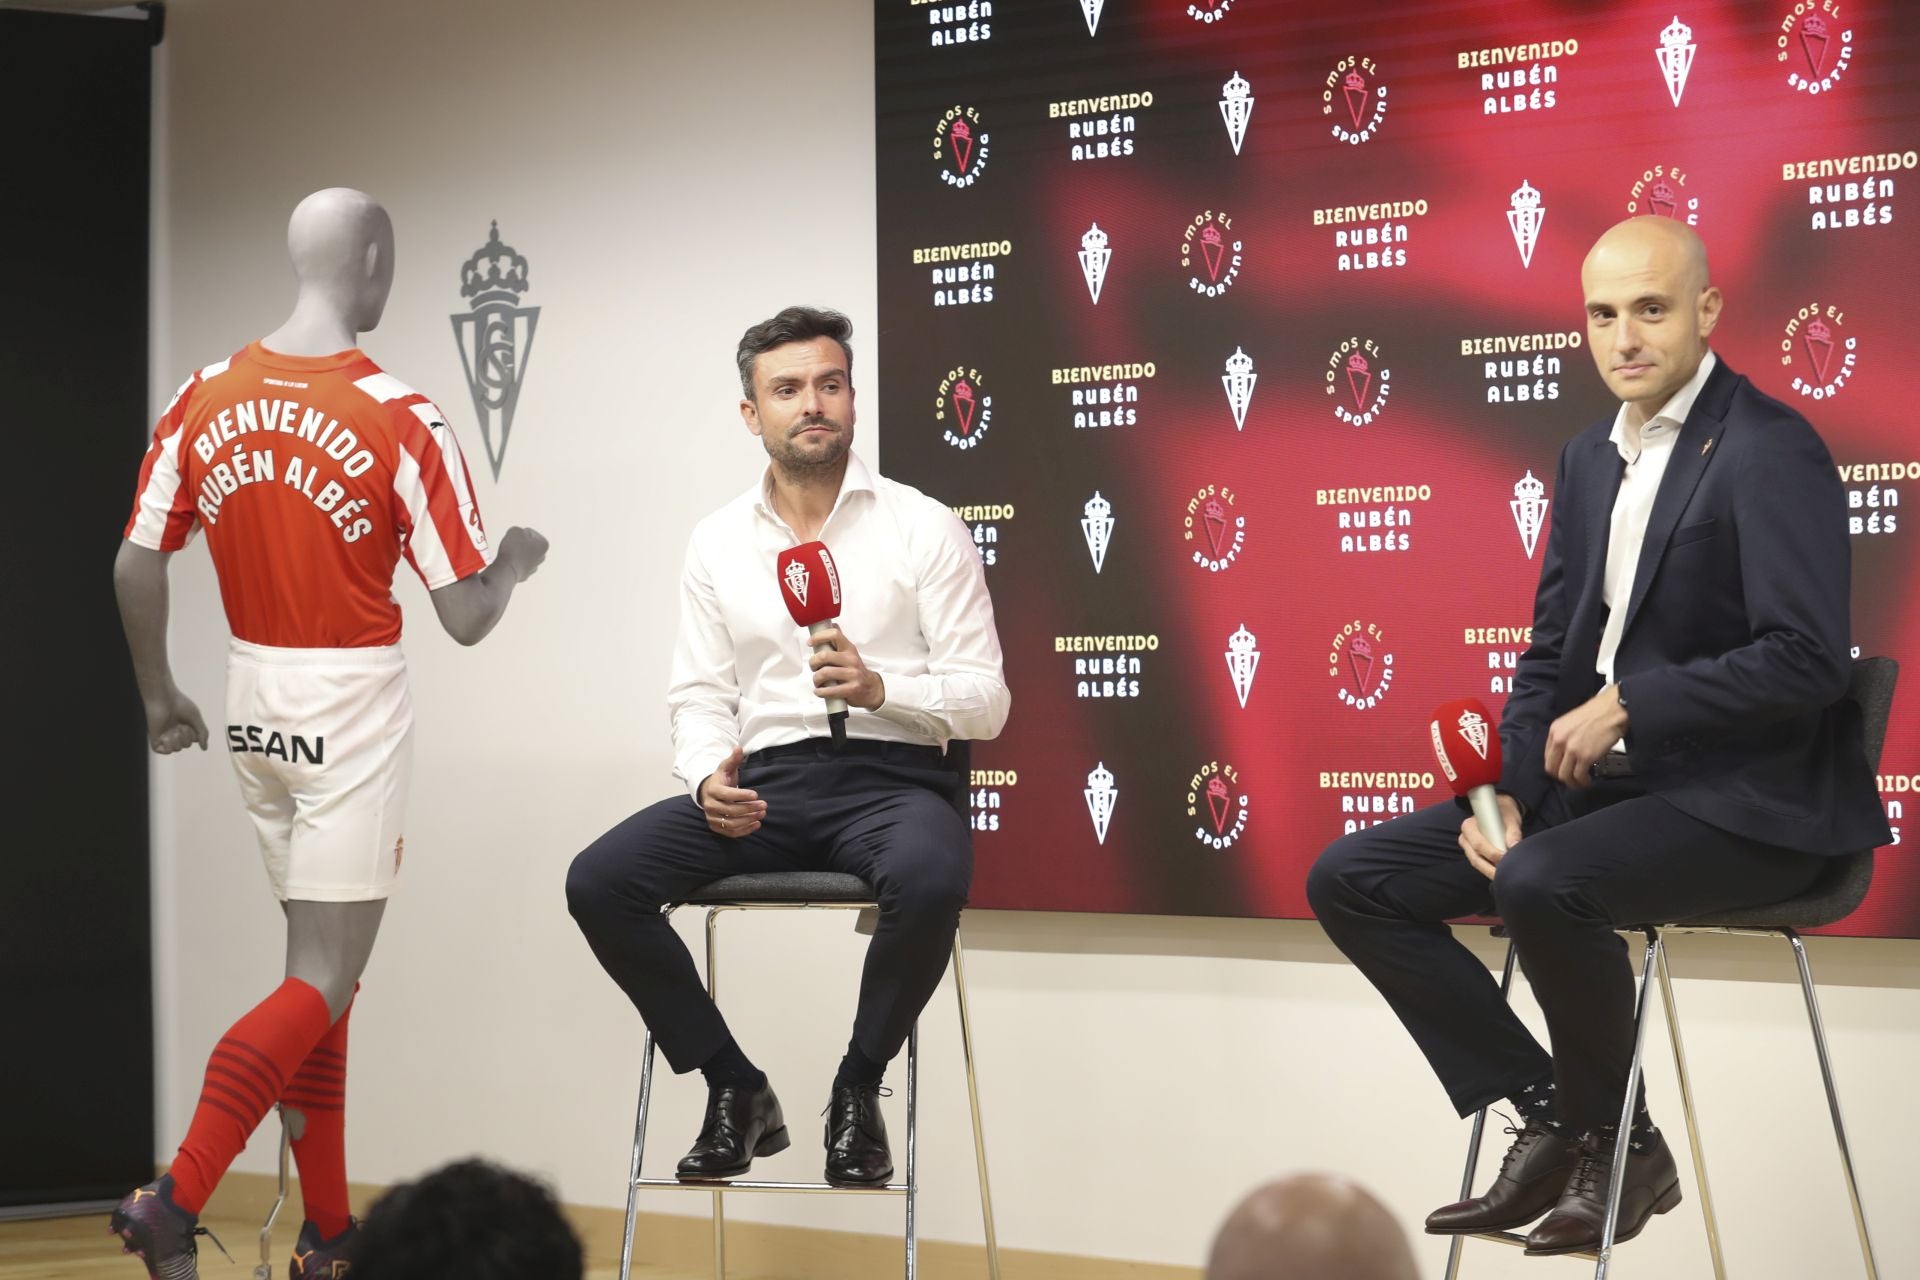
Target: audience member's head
469, 1220
1311, 1226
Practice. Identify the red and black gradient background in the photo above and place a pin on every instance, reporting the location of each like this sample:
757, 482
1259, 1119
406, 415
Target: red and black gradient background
1738, 123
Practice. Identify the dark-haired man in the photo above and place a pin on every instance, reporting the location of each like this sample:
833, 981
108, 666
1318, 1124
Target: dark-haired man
472, 1219
915, 655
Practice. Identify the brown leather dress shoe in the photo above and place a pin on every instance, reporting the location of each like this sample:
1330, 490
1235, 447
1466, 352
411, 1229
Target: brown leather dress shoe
741, 1123
1532, 1177
1652, 1186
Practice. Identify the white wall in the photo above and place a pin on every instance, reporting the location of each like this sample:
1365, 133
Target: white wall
674, 172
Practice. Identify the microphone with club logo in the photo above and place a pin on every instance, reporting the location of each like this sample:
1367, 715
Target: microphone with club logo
1468, 748
810, 584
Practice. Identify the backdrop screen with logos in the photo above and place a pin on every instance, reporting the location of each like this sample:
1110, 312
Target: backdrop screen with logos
1244, 336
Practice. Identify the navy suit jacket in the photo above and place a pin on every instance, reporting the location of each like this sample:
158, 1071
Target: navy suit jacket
1736, 648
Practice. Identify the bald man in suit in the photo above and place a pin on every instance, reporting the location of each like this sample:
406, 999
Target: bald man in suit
1675, 744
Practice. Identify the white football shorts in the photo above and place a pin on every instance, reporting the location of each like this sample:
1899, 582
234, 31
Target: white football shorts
322, 742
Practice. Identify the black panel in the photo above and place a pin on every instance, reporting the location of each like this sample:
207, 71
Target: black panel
76, 1004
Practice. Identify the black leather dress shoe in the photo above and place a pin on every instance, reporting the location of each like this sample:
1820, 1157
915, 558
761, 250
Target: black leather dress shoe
1532, 1177
741, 1123
1652, 1186
857, 1154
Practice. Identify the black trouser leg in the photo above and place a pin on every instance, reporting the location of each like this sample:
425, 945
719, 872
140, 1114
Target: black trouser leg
615, 890
916, 851
1564, 891
1382, 894
890, 821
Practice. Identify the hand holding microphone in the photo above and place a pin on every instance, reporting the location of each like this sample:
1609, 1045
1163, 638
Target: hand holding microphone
1466, 743
810, 586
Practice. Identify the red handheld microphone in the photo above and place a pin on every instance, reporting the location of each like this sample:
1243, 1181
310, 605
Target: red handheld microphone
1467, 745
810, 585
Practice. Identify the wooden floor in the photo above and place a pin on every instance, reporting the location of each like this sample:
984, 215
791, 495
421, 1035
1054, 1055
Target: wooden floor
669, 1247
80, 1249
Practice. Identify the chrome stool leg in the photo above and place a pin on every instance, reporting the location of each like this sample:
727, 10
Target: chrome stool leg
1623, 1135
633, 1170
1833, 1100
1693, 1121
913, 1178
1473, 1142
719, 1200
265, 1270
973, 1102
908, 1187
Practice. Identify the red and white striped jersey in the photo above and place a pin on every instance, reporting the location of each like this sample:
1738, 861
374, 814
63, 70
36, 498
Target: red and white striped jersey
312, 475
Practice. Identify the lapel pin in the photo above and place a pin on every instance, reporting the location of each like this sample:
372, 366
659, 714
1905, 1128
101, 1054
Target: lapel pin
1708, 445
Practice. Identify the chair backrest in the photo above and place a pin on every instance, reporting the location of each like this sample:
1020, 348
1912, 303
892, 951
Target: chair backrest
1843, 883
1871, 689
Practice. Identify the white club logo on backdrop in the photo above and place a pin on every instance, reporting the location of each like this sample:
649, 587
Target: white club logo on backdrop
496, 338
1094, 257
1101, 795
1525, 216
1236, 108
1676, 56
1096, 522
1529, 507
797, 580
1243, 659
1238, 380
1091, 10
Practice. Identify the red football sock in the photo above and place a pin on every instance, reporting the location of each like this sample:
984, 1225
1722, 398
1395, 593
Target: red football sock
318, 1091
245, 1077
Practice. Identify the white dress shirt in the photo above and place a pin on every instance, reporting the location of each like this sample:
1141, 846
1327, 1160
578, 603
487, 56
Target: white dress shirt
1646, 450
916, 607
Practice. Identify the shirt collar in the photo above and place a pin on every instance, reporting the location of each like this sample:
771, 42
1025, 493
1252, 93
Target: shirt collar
858, 479
1629, 439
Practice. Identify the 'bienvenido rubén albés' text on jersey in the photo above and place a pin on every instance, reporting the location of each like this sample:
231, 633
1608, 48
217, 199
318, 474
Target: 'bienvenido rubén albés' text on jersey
312, 476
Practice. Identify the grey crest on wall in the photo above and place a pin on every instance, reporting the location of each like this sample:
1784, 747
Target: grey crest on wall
495, 336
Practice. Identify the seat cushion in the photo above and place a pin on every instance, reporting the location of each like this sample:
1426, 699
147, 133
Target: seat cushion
1829, 899
785, 886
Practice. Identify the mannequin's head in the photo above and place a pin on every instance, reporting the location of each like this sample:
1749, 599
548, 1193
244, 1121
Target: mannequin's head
341, 242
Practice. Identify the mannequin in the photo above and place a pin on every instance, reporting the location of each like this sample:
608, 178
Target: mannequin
314, 659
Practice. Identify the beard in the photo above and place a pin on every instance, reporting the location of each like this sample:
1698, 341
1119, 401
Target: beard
792, 457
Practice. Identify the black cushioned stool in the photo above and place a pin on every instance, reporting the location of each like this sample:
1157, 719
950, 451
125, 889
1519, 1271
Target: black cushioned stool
1831, 898
808, 891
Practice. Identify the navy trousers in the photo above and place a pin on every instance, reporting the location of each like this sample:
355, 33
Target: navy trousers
1605, 857
885, 812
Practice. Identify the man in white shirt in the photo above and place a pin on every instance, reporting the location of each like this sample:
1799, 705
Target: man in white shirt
916, 656
1674, 745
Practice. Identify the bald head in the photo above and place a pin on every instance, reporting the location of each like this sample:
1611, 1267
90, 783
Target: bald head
1311, 1226
341, 242
1651, 241
1651, 306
